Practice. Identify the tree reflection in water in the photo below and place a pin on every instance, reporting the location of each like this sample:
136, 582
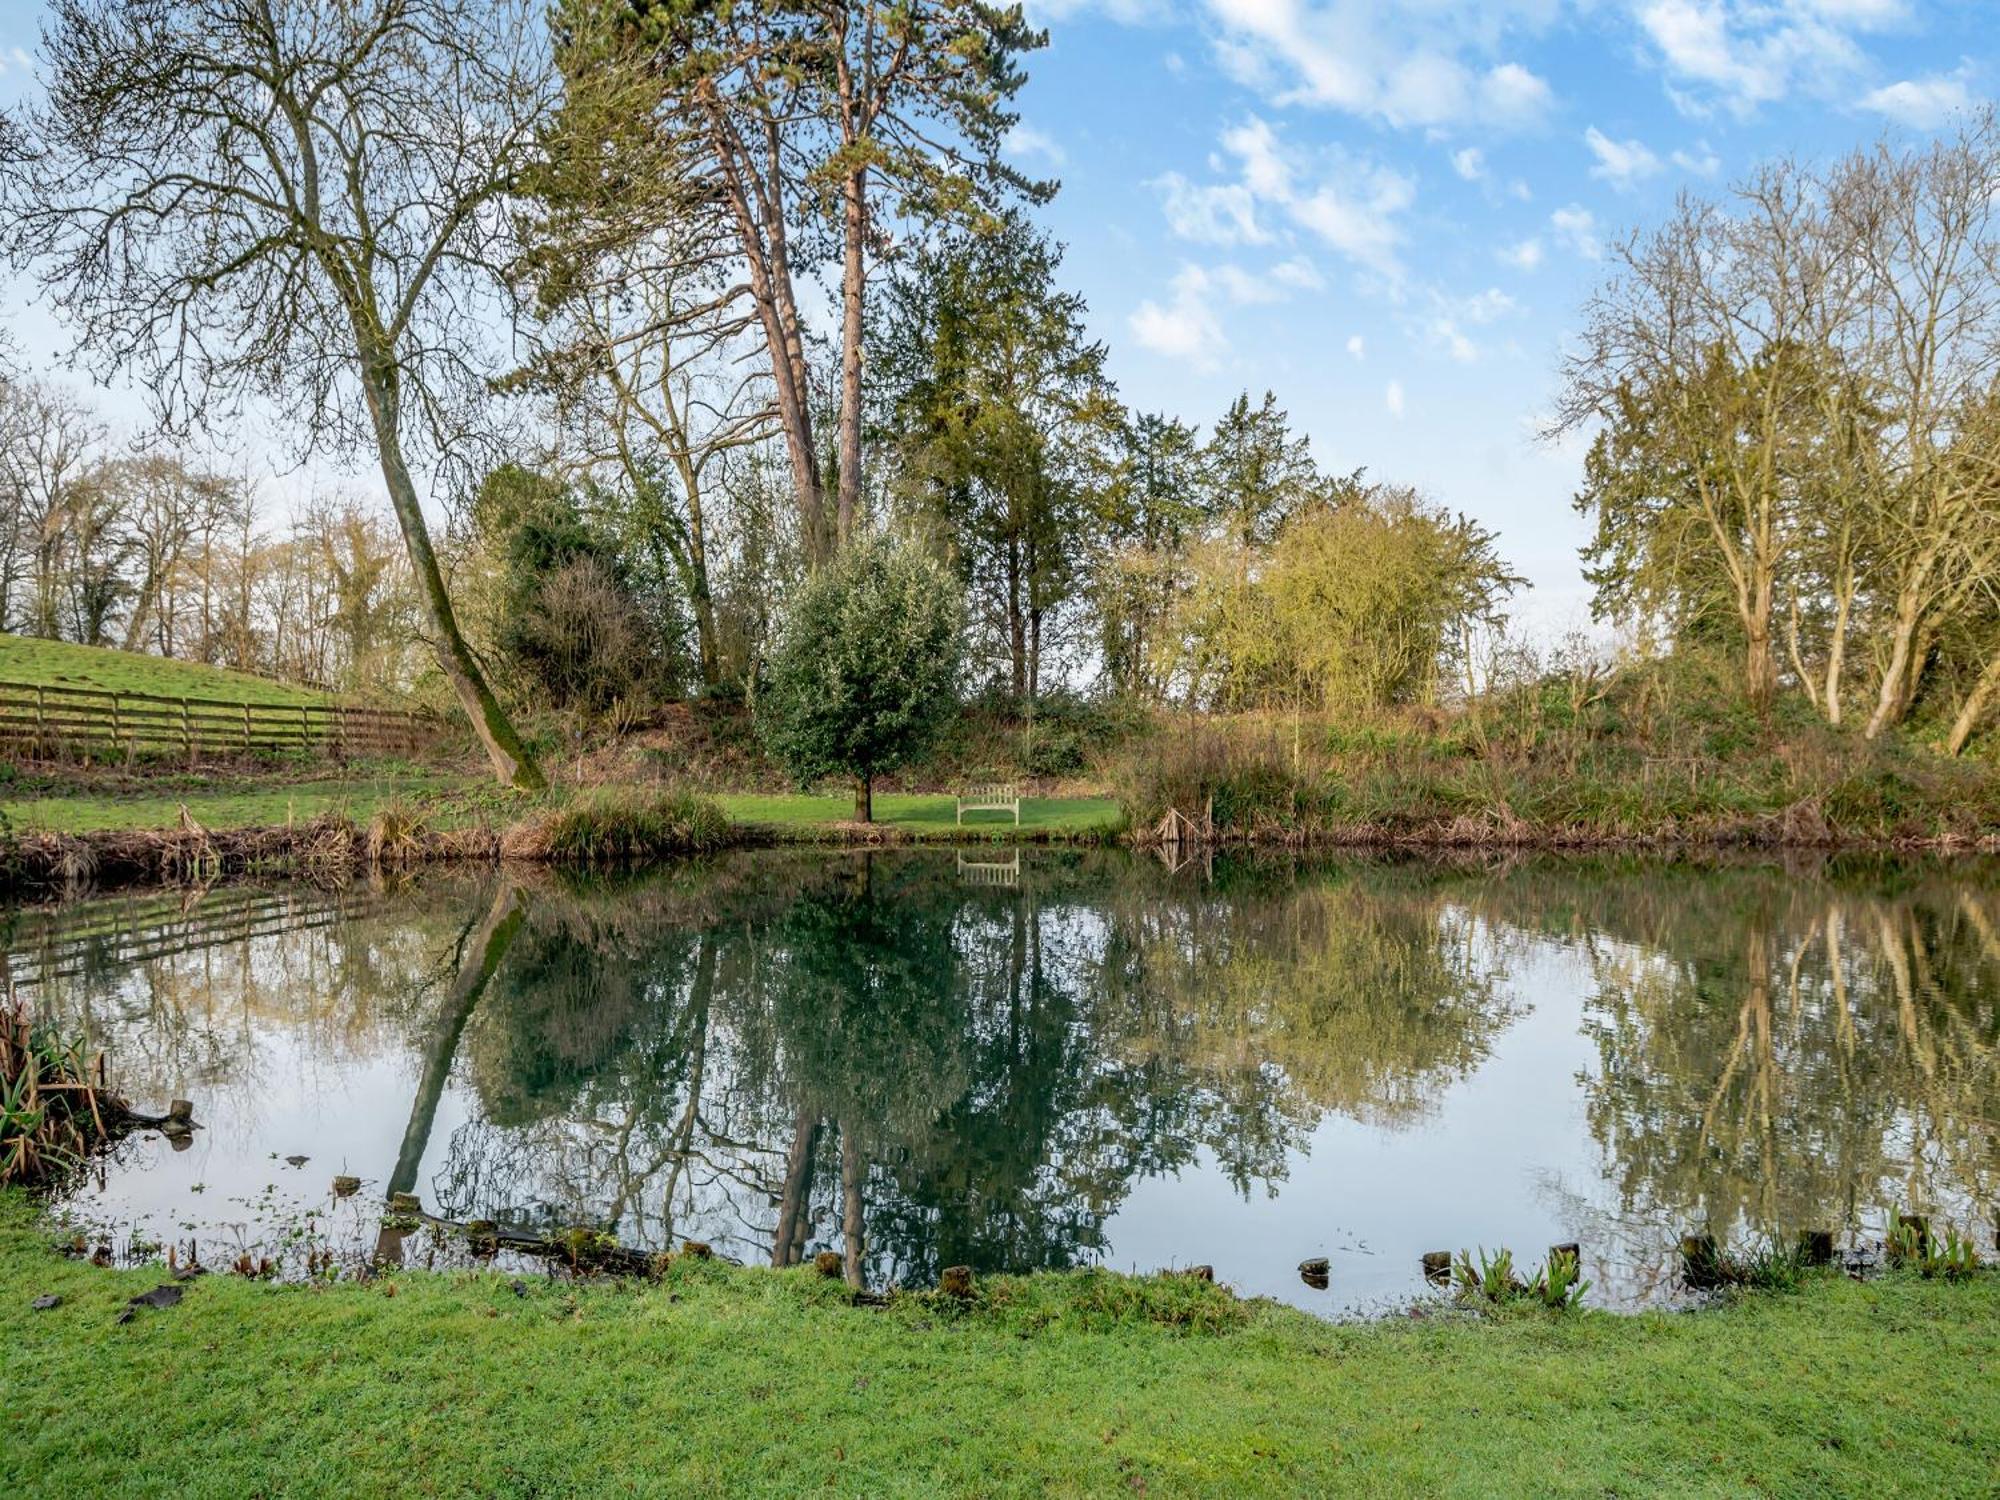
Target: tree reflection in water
871, 1053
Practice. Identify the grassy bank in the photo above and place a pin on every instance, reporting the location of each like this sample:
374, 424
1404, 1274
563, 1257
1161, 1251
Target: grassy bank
56, 844
927, 816
1463, 781
222, 803
751, 1381
458, 800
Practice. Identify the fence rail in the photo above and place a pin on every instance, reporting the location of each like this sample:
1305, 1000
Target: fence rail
44, 719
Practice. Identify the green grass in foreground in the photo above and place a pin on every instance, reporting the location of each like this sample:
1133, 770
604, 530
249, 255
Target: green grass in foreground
756, 1382
62, 664
924, 813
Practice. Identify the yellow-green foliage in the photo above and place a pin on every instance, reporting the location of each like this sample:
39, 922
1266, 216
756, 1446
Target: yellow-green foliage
1362, 602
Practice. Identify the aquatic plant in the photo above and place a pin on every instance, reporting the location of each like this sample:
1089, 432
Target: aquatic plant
1772, 1267
50, 1103
1557, 1284
1911, 1244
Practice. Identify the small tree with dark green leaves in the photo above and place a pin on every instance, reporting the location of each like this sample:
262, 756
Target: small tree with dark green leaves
866, 670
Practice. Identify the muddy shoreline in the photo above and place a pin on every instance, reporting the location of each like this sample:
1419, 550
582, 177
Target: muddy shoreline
36, 866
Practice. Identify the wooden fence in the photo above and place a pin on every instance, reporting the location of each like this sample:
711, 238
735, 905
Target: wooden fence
44, 720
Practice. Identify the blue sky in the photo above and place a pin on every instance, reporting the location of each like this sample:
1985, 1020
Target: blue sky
1389, 212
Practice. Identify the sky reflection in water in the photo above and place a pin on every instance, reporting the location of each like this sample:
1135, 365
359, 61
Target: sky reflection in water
920, 1059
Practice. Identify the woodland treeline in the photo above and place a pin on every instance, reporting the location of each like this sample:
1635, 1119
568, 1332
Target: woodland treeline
152, 550
665, 306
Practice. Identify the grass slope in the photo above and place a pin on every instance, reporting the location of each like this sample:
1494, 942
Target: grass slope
743, 1382
62, 664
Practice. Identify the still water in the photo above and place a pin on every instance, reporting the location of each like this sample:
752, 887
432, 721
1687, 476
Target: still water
921, 1059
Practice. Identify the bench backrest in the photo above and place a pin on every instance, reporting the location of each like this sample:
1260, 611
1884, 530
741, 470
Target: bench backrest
989, 796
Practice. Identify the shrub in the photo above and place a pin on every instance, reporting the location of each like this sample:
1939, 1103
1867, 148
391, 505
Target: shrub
579, 636
623, 826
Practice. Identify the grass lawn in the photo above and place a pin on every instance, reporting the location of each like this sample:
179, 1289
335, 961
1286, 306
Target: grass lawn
739, 1382
251, 803
927, 813
61, 664
219, 808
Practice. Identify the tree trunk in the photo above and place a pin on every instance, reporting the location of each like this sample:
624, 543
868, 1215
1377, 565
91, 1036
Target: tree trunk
1760, 678
864, 799
853, 271
512, 764
758, 209
1836, 655
1891, 699
1975, 705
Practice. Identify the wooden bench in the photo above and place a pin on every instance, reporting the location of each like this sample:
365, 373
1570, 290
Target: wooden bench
996, 797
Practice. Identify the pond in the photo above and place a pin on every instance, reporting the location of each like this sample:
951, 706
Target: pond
1051, 1058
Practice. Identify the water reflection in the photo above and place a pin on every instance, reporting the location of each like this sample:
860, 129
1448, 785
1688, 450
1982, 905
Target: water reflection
916, 1064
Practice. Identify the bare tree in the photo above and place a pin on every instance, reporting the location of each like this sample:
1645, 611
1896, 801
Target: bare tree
48, 461
1926, 229
648, 356
1702, 358
302, 199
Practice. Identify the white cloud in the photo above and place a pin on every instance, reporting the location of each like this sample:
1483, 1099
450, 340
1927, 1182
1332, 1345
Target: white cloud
1487, 306
1702, 161
1275, 285
1186, 328
1469, 163
1576, 227
1265, 170
1744, 53
1446, 325
1299, 274
1525, 256
1410, 65
1392, 398
1217, 214
1351, 203
1922, 103
1620, 163
1356, 214
1357, 346
1026, 143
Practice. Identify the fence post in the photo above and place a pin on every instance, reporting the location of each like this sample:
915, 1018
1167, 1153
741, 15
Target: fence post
246, 726
41, 731
187, 732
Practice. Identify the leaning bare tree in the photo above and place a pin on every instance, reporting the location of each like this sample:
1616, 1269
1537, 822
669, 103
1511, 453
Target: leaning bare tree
305, 201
